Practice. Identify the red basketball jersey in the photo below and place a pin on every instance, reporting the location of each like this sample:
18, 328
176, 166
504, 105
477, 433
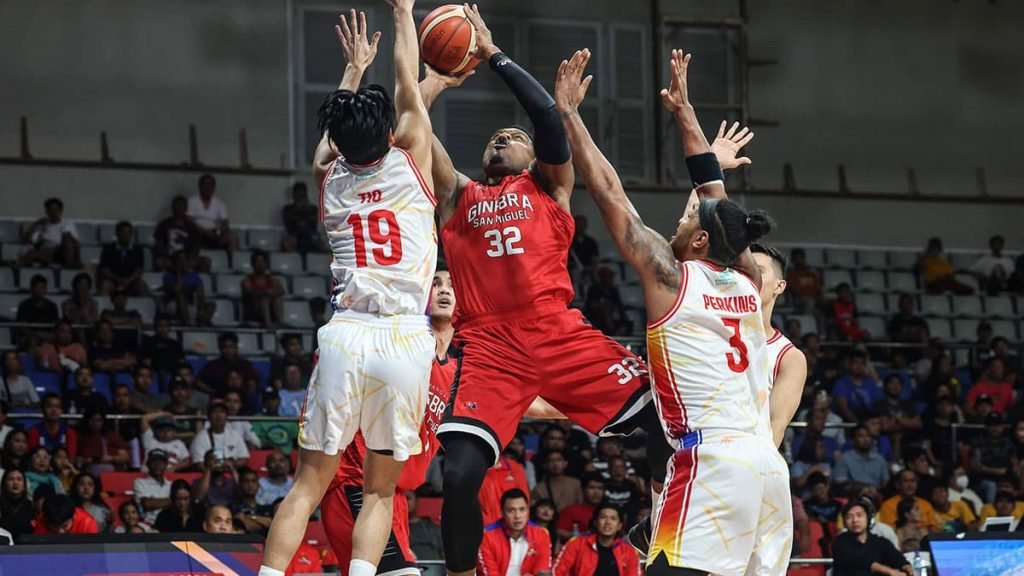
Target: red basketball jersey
350, 470
507, 248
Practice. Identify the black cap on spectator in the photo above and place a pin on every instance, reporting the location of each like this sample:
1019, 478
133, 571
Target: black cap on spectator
994, 418
815, 479
216, 404
270, 392
157, 454
163, 422
983, 398
178, 382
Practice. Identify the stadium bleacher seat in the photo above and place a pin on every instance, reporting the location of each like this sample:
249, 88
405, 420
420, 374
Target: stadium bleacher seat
46, 382
229, 284
968, 306
999, 306
609, 251
875, 325
963, 260
872, 259
119, 483
10, 232
204, 343
632, 295
154, 281
241, 261
871, 280
870, 303
319, 264
86, 233
7, 282
965, 330
902, 259
935, 305
218, 260
807, 322
309, 286
289, 263
145, 306
833, 278
225, 314
939, 328
27, 361
114, 502
902, 281
144, 233
628, 275
12, 251
66, 280
815, 256
101, 383
25, 278
90, 255
267, 240
969, 280
1005, 328
106, 232
296, 313
258, 459
250, 343
5, 339
841, 258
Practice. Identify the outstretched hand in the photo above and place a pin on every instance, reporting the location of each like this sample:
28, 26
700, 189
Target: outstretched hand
675, 97
446, 80
359, 51
485, 47
727, 145
570, 85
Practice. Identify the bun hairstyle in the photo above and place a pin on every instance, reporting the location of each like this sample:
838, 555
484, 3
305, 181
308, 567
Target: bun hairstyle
731, 230
358, 123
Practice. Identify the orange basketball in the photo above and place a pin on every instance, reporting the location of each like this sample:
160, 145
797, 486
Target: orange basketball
448, 39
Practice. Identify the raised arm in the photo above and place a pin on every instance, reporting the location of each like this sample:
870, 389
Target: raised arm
644, 249
701, 161
553, 167
413, 131
359, 54
448, 182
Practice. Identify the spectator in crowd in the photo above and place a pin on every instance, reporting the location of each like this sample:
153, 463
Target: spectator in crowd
197, 397
604, 308
843, 312
16, 511
182, 429
86, 494
99, 448
994, 385
212, 379
218, 520
1004, 504
271, 402
856, 391
160, 352
37, 309
153, 491
1011, 362
910, 528
516, 450
811, 459
992, 455
255, 517
794, 330
219, 481
61, 516
820, 506
127, 322
803, 282
575, 518
821, 367
318, 314
906, 487
424, 535
144, 398
278, 481
601, 551
247, 391
53, 432
830, 425
856, 551
906, 325
502, 550
62, 466
301, 223
5, 428
862, 464
15, 449
563, 490
160, 433
936, 271
122, 406
122, 264
180, 515
922, 367
131, 520
900, 419
943, 374
584, 250
233, 401
227, 445
54, 240
994, 269
107, 354
291, 352
262, 294
18, 390
81, 307
184, 294
38, 470
499, 479
880, 442
176, 233
620, 490
64, 354
801, 528
916, 459
544, 515
211, 216
939, 429
953, 517
981, 351
293, 392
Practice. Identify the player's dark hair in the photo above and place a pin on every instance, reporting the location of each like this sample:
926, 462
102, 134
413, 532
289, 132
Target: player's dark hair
358, 123
57, 510
442, 265
778, 259
731, 229
512, 495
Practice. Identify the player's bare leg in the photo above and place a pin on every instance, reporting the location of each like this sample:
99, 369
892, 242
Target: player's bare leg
314, 474
373, 524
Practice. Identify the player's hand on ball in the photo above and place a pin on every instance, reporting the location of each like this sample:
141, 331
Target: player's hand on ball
359, 51
570, 86
446, 80
727, 145
485, 47
675, 97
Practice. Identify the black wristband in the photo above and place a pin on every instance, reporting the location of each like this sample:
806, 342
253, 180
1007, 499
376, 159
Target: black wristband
704, 168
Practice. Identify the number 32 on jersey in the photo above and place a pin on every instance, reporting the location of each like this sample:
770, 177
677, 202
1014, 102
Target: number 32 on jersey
504, 242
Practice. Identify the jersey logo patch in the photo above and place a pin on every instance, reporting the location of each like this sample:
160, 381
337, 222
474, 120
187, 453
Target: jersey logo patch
725, 278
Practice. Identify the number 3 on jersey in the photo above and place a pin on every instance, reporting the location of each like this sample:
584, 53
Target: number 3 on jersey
384, 231
737, 361
503, 242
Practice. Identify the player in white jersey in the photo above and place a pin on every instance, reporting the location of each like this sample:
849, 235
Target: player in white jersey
376, 350
706, 348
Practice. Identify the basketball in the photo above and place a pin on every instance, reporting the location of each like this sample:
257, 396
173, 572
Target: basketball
448, 39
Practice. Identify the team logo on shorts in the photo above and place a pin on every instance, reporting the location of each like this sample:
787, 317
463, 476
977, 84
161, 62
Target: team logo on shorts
470, 405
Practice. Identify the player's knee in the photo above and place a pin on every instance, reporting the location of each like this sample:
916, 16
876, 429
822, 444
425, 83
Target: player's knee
466, 461
659, 451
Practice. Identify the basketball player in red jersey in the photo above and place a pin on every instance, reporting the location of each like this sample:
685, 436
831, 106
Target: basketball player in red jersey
507, 240
344, 497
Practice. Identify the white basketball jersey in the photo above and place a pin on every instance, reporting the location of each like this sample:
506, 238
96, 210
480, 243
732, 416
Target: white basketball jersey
380, 224
778, 345
708, 356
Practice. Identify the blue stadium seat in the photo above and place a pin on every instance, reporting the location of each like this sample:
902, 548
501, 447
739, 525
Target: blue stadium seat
46, 382
872, 259
28, 363
197, 363
102, 384
262, 368
123, 378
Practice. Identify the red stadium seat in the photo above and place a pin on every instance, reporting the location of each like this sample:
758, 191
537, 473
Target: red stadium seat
119, 483
258, 459
315, 534
429, 508
189, 477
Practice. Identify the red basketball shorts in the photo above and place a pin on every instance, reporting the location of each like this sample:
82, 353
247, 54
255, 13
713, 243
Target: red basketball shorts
338, 510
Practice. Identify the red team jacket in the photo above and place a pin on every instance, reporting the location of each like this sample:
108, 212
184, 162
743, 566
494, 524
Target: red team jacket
579, 557
496, 551
506, 475
81, 523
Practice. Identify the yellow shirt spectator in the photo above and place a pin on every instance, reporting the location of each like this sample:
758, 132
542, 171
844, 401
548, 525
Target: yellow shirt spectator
958, 518
989, 511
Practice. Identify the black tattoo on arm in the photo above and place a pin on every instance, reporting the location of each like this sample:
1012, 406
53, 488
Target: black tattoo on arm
647, 249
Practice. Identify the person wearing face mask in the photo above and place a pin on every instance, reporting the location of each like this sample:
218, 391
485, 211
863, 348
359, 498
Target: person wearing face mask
959, 488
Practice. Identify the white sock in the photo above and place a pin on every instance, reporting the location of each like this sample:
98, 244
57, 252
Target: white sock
267, 571
358, 567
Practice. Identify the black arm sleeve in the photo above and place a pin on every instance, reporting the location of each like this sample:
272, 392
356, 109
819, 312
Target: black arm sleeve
549, 135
